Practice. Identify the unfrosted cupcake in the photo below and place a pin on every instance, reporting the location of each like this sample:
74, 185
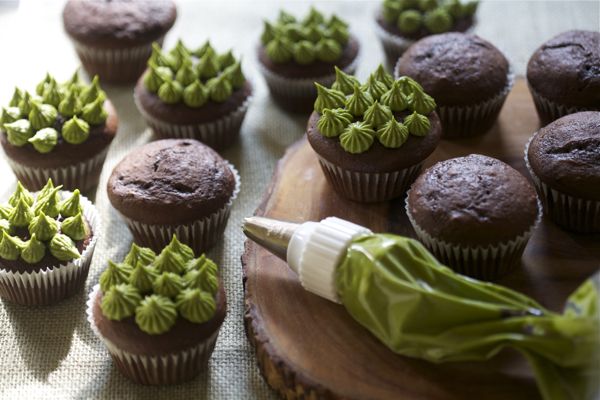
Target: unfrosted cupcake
174, 187
564, 160
400, 23
468, 77
372, 139
199, 94
61, 131
46, 245
113, 38
475, 214
293, 54
159, 315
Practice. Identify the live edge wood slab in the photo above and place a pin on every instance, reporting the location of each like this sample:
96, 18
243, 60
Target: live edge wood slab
310, 348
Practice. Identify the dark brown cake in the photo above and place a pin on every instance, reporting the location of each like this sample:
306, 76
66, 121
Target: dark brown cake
566, 71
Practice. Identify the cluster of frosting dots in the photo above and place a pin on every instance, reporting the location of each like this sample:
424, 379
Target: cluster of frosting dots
193, 77
305, 41
358, 114
56, 110
436, 16
31, 224
155, 289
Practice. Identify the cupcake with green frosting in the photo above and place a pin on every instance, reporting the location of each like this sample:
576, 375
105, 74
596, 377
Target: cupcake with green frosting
47, 240
58, 130
152, 307
400, 23
194, 93
372, 137
293, 53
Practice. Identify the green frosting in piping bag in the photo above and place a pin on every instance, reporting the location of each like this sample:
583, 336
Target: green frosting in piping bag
375, 87
438, 21
359, 101
219, 88
33, 250
169, 261
94, 112
383, 76
114, 274
377, 115
186, 73
120, 302
21, 215
333, 121
357, 137
43, 227
421, 102
63, 248
143, 277
10, 247
156, 314
235, 75
139, 255
74, 227
417, 124
304, 52
182, 249
71, 206
42, 115
328, 50
20, 194
18, 132
70, 105
344, 82
170, 91
48, 204
44, 140
395, 98
328, 98
75, 130
195, 305
279, 50
168, 284
195, 95
392, 134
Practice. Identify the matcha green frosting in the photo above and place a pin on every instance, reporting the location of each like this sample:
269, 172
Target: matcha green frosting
394, 98
170, 91
75, 130
51, 94
235, 75
344, 82
268, 33
383, 76
92, 92
44, 140
9, 114
304, 52
279, 50
328, 50
46, 190
200, 263
10, 247
71, 206
195, 305
417, 124
156, 314
4, 227
139, 255
434, 16
359, 101
20, 193
333, 121
120, 301
195, 95
357, 137
169, 261
421, 102
186, 73
42, 115
377, 115
410, 21
43, 226
33, 250
182, 249
204, 279
74, 227
48, 203
375, 87
94, 112
392, 134
5, 210
25, 104
16, 98
208, 65
114, 274
21, 215
328, 98
156, 76
63, 248
438, 21
143, 277
168, 284
18, 132
219, 88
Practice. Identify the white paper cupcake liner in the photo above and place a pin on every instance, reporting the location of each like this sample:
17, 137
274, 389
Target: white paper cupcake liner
218, 134
369, 187
549, 111
570, 212
53, 284
200, 234
481, 262
115, 65
165, 369
83, 176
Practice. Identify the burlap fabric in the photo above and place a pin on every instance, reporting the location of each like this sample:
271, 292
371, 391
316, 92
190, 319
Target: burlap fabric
51, 352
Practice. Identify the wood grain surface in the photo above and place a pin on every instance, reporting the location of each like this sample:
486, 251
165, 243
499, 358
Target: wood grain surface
308, 347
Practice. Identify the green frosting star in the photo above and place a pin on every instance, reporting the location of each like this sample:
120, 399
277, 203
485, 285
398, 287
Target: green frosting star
357, 137
44, 140
196, 94
48, 204
46, 190
395, 98
143, 277
43, 227
268, 33
208, 65
180, 54
195, 305
344, 82
421, 102
383, 76
41, 87
168, 284
74, 227
428, 5
279, 50
9, 114
5, 227
63, 248
170, 92
417, 124
332, 122
71, 206
304, 52
201, 262
75, 130
155, 76
359, 101
16, 98
114, 274
95, 113
328, 50
42, 115
20, 194
328, 98
227, 59
120, 302
235, 75
438, 20
33, 250
10, 247
169, 261
70, 105
21, 215
18, 132
51, 94
392, 134
91, 93
161, 59
139, 255
156, 314
204, 278
182, 249
377, 115
339, 34
375, 87
219, 88
186, 73
25, 104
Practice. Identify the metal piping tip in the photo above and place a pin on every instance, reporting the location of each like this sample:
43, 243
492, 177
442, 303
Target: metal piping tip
271, 234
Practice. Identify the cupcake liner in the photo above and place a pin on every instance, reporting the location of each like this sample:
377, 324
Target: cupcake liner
369, 187
299, 94
200, 234
83, 176
218, 134
481, 262
570, 212
549, 111
50, 285
118, 65
164, 369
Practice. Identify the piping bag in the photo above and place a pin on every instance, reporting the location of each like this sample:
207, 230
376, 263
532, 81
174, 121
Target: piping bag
417, 307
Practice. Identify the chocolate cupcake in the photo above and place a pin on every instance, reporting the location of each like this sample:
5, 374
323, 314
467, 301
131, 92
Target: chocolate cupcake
564, 160
174, 187
293, 54
371, 140
400, 23
474, 213
61, 132
467, 76
46, 246
113, 38
159, 315
564, 75
198, 95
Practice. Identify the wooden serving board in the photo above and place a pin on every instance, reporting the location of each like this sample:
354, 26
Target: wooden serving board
308, 347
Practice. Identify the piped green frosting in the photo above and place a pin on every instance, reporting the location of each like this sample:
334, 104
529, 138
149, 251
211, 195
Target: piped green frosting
375, 87
395, 98
143, 277
377, 115
9, 114
357, 137
220, 88
42, 115
114, 274
195, 305
70, 105
156, 314
195, 95
21, 193
25, 104
4, 227
392, 134
48, 203
170, 91
417, 124
438, 20
33, 250
74, 227
168, 284
359, 101
279, 50
71, 206
92, 92
328, 50
10, 247
304, 52
94, 113
383, 76
44, 140
43, 227
120, 301
186, 73
16, 98
431, 16
169, 261
344, 82
63, 248
410, 21
204, 278
139, 255
21, 215
421, 102
333, 122
51, 95
18, 132
328, 98
235, 75
182, 249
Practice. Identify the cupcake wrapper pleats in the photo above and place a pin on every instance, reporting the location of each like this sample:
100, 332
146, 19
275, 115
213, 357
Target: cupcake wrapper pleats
51, 285
155, 370
549, 111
